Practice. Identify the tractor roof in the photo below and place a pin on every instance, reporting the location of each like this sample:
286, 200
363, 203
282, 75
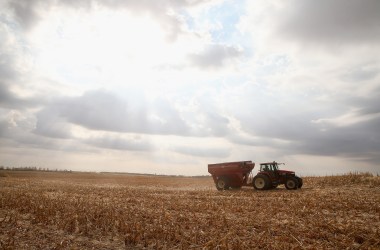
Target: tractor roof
264, 163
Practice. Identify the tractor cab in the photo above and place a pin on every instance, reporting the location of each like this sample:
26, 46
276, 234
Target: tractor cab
272, 168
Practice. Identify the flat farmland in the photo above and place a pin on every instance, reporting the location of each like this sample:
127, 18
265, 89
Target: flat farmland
53, 210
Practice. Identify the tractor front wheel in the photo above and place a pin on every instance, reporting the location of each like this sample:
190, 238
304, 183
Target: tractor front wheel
261, 182
221, 184
291, 183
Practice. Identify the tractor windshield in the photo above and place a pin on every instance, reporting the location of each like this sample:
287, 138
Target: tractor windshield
269, 167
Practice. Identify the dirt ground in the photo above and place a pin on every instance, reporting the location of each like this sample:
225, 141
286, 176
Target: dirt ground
53, 210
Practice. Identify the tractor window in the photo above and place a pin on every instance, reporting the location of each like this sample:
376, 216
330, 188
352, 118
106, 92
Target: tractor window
275, 167
269, 167
265, 167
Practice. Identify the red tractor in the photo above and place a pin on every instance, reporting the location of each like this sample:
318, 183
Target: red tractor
237, 174
270, 176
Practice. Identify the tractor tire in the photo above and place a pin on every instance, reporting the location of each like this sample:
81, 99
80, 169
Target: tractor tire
291, 183
300, 182
261, 182
222, 184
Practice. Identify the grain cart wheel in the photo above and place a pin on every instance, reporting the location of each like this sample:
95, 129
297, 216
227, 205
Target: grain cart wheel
261, 182
221, 184
291, 183
300, 182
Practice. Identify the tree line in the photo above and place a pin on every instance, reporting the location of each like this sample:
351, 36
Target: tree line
32, 168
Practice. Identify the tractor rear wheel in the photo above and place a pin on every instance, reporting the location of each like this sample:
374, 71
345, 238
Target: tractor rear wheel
300, 182
222, 184
261, 182
291, 183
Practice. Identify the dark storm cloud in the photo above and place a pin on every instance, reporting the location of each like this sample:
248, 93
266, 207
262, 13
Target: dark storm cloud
339, 21
215, 56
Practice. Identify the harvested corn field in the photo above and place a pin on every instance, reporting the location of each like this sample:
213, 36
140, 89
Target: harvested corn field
47, 210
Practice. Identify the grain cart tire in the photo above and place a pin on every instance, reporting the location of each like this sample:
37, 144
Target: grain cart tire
222, 184
261, 182
300, 182
291, 183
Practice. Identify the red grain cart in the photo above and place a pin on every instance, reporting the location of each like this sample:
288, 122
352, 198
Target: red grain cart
231, 174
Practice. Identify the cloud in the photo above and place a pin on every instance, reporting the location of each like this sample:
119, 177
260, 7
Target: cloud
8, 74
305, 79
323, 100
10, 100
25, 12
203, 151
98, 110
7, 98
104, 111
351, 118
215, 56
216, 124
164, 118
14, 72
338, 22
50, 125
119, 143
350, 141
167, 13
309, 126
364, 72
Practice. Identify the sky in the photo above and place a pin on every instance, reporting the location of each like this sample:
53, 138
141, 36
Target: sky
167, 87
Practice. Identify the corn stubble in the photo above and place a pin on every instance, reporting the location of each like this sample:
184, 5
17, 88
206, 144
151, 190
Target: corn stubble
104, 211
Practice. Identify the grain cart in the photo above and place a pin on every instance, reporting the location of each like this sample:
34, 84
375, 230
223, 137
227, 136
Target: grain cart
237, 174
231, 174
